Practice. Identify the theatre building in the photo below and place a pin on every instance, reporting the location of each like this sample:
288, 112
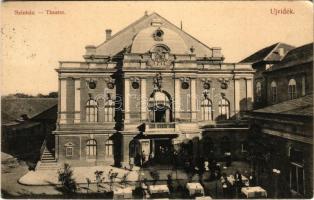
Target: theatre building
147, 90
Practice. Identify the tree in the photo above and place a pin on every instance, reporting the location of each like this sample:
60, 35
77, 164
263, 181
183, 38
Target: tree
112, 176
88, 183
99, 178
53, 95
155, 175
41, 95
22, 95
66, 178
124, 179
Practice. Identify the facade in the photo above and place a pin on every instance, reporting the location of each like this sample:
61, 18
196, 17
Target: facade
282, 137
146, 91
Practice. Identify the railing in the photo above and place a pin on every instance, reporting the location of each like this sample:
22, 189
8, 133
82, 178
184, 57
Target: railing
43, 146
161, 125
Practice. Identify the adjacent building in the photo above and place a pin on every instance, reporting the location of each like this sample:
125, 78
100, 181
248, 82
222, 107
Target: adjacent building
282, 130
26, 122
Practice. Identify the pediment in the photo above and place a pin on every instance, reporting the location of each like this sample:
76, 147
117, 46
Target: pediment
124, 38
69, 144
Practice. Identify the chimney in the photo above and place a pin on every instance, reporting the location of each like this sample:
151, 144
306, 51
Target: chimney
90, 50
281, 51
108, 34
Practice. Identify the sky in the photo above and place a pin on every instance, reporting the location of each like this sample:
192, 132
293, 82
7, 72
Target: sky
32, 45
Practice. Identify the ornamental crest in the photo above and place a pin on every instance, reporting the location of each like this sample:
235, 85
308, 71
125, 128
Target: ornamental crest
158, 35
159, 57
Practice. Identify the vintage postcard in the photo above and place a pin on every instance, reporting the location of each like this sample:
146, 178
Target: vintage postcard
157, 99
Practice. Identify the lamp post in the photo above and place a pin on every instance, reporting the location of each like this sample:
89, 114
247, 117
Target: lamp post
276, 173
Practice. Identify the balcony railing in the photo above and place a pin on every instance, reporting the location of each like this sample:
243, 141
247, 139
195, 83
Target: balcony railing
161, 125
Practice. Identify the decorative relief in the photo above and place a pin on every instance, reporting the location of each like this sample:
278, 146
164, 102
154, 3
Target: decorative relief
135, 82
158, 35
110, 83
206, 83
223, 83
157, 82
91, 83
185, 83
159, 56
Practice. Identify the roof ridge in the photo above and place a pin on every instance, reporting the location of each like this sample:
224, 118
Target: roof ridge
183, 31
277, 44
257, 51
125, 28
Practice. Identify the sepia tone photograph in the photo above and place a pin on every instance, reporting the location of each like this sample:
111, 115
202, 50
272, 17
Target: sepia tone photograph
157, 100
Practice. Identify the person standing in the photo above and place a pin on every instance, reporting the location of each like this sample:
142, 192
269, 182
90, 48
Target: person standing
143, 158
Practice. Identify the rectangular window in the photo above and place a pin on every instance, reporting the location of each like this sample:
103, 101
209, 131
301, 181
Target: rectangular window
109, 148
303, 85
243, 147
69, 151
297, 178
274, 94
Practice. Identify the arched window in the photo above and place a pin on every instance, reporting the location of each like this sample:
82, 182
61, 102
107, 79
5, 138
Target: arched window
109, 148
91, 111
224, 109
258, 90
273, 91
91, 149
160, 107
292, 89
109, 111
206, 109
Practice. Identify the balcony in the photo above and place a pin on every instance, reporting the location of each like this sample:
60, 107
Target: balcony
161, 128
162, 125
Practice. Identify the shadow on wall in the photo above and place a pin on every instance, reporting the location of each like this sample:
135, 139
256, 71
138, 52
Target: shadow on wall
226, 112
117, 152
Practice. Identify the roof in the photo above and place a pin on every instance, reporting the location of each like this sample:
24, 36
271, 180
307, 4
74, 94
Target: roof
13, 108
124, 38
302, 106
297, 56
269, 53
21, 126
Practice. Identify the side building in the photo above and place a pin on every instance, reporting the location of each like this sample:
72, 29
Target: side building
282, 131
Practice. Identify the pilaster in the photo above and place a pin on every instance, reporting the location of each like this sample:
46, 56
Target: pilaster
63, 101
77, 101
193, 99
126, 100
143, 100
249, 94
236, 96
177, 98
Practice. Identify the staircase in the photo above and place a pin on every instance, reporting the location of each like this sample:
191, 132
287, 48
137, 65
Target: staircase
47, 161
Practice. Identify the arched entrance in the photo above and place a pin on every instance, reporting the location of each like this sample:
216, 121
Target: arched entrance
160, 107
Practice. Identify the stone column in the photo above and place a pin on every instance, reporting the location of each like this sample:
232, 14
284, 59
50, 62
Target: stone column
126, 100
143, 100
177, 98
63, 101
249, 94
193, 99
77, 101
236, 97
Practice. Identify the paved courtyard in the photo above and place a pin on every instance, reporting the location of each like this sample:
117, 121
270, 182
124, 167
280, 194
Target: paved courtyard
12, 189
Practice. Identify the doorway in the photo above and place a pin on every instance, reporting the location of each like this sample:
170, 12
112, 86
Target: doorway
160, 115
163, 149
